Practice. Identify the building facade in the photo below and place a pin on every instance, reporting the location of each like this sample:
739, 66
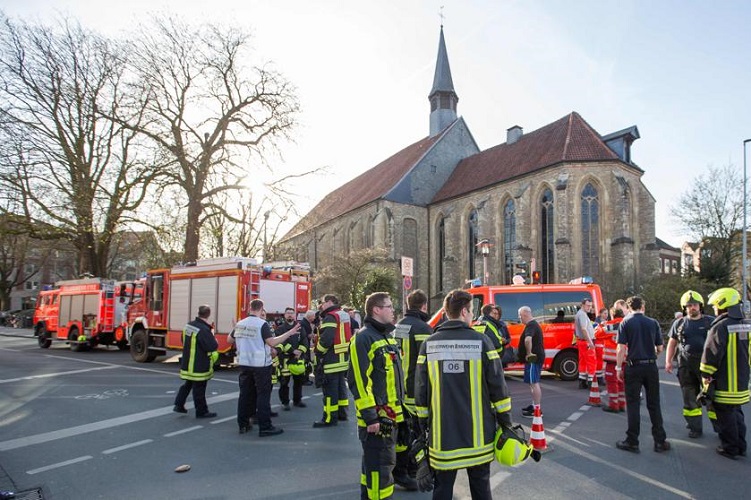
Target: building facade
563, 200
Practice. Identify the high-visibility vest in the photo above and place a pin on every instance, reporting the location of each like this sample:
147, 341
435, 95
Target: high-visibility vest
333, 341
608, 332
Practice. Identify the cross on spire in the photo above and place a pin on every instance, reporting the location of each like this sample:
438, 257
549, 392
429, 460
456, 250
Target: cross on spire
440, 14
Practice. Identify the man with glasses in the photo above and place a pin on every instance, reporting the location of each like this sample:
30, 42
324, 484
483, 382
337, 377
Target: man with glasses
376, 380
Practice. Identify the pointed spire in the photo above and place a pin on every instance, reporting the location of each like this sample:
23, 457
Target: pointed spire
442, 81
442, 97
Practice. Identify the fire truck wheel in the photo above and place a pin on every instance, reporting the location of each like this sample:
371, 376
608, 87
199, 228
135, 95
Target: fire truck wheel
566, 365
75, 345
44, 340
139, 347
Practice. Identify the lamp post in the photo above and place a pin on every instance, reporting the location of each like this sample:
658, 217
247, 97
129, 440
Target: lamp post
744, 260
484, 246
265, 222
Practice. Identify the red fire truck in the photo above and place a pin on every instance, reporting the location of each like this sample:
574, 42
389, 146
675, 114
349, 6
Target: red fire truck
553, 307
84, 313
171, 298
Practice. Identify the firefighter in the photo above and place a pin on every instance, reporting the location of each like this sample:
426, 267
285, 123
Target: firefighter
491, 325
608, 331
461, 423
725, 370
584, 334
332, 352
197, 363
376, 380
687, 337
290, 352
410, 333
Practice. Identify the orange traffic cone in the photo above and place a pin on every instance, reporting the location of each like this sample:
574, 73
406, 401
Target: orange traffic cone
537, 436
594, 394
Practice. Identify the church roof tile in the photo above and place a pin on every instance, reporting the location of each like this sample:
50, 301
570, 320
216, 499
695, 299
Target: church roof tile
568, 139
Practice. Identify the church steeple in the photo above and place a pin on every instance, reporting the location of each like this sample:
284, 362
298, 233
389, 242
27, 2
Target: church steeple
442, 96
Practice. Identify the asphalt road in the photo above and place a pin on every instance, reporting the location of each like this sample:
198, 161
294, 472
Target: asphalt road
98, 425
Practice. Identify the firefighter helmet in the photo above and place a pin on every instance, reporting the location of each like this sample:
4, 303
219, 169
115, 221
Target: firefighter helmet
722, 298
511, 449
296, 367
692, 297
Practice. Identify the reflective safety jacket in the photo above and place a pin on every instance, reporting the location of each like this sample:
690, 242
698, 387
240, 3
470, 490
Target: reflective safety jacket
333, 341
726, 357
375, 374
198, 342
497, 332
286, 349
607, 332
460, 395
410, 333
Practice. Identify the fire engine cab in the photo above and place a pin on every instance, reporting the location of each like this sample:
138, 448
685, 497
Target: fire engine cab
170, 299
553, 307
84, 313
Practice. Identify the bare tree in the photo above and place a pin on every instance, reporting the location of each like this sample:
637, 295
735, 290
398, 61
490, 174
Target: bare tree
210, 115
711, 211
75, 172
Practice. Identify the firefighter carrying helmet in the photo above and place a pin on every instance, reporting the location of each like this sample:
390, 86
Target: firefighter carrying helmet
511, 449
296, 367
723, 298
692, 297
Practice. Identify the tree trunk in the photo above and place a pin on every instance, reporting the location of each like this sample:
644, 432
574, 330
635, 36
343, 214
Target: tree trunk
195, 210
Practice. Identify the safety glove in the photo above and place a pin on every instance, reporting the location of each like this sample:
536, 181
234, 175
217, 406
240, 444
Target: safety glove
214, 357
419, 455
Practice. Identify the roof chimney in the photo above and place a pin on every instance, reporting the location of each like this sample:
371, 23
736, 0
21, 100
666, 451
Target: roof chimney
514, 134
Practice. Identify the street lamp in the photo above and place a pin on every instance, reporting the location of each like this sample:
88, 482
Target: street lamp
484, 246
744, 263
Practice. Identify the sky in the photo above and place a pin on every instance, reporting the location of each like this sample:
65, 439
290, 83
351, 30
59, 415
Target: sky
679, 70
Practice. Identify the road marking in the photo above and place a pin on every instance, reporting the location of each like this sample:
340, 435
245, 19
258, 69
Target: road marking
575, 416
59, 464
497, 478
183, 431
127, 446
78, 430
222, 420
57, 374
654, 482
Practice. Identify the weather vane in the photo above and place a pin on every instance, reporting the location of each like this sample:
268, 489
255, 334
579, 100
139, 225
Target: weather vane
440, 14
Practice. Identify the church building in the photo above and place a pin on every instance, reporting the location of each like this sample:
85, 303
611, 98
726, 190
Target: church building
563, 200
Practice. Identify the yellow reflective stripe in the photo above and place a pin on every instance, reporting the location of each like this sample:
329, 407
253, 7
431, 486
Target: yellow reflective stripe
712, 415
693, 412
502, 405
340, 348
732, 356
494, 354
374, 486
434, 374
460, 452
462, 464
707, 368
327, 325
421, 359
365, 399
422, 337
422, 411
406, 362
335, 367
475, 398
479, 328
732, 398
320, 348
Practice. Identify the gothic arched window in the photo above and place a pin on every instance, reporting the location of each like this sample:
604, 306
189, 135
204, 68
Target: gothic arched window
590, 231
509, 240
472, 232
547, 243
441, 251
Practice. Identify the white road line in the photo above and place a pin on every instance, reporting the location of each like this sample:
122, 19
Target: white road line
654, 482
45, 437
127, 446
574, 416
59, 464
497, 478
222, 420
58, 374
183, 431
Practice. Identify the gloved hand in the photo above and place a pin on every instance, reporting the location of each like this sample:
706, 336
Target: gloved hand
214, 357
418, 455
402, 434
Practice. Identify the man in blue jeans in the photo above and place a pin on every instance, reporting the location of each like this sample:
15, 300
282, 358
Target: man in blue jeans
532, 353
643, 338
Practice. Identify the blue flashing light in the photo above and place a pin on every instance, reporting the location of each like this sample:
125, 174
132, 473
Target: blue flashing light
587, 280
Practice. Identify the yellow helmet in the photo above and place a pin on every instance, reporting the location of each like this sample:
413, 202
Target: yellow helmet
296, 367
691, 297
512, 450
723, 298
